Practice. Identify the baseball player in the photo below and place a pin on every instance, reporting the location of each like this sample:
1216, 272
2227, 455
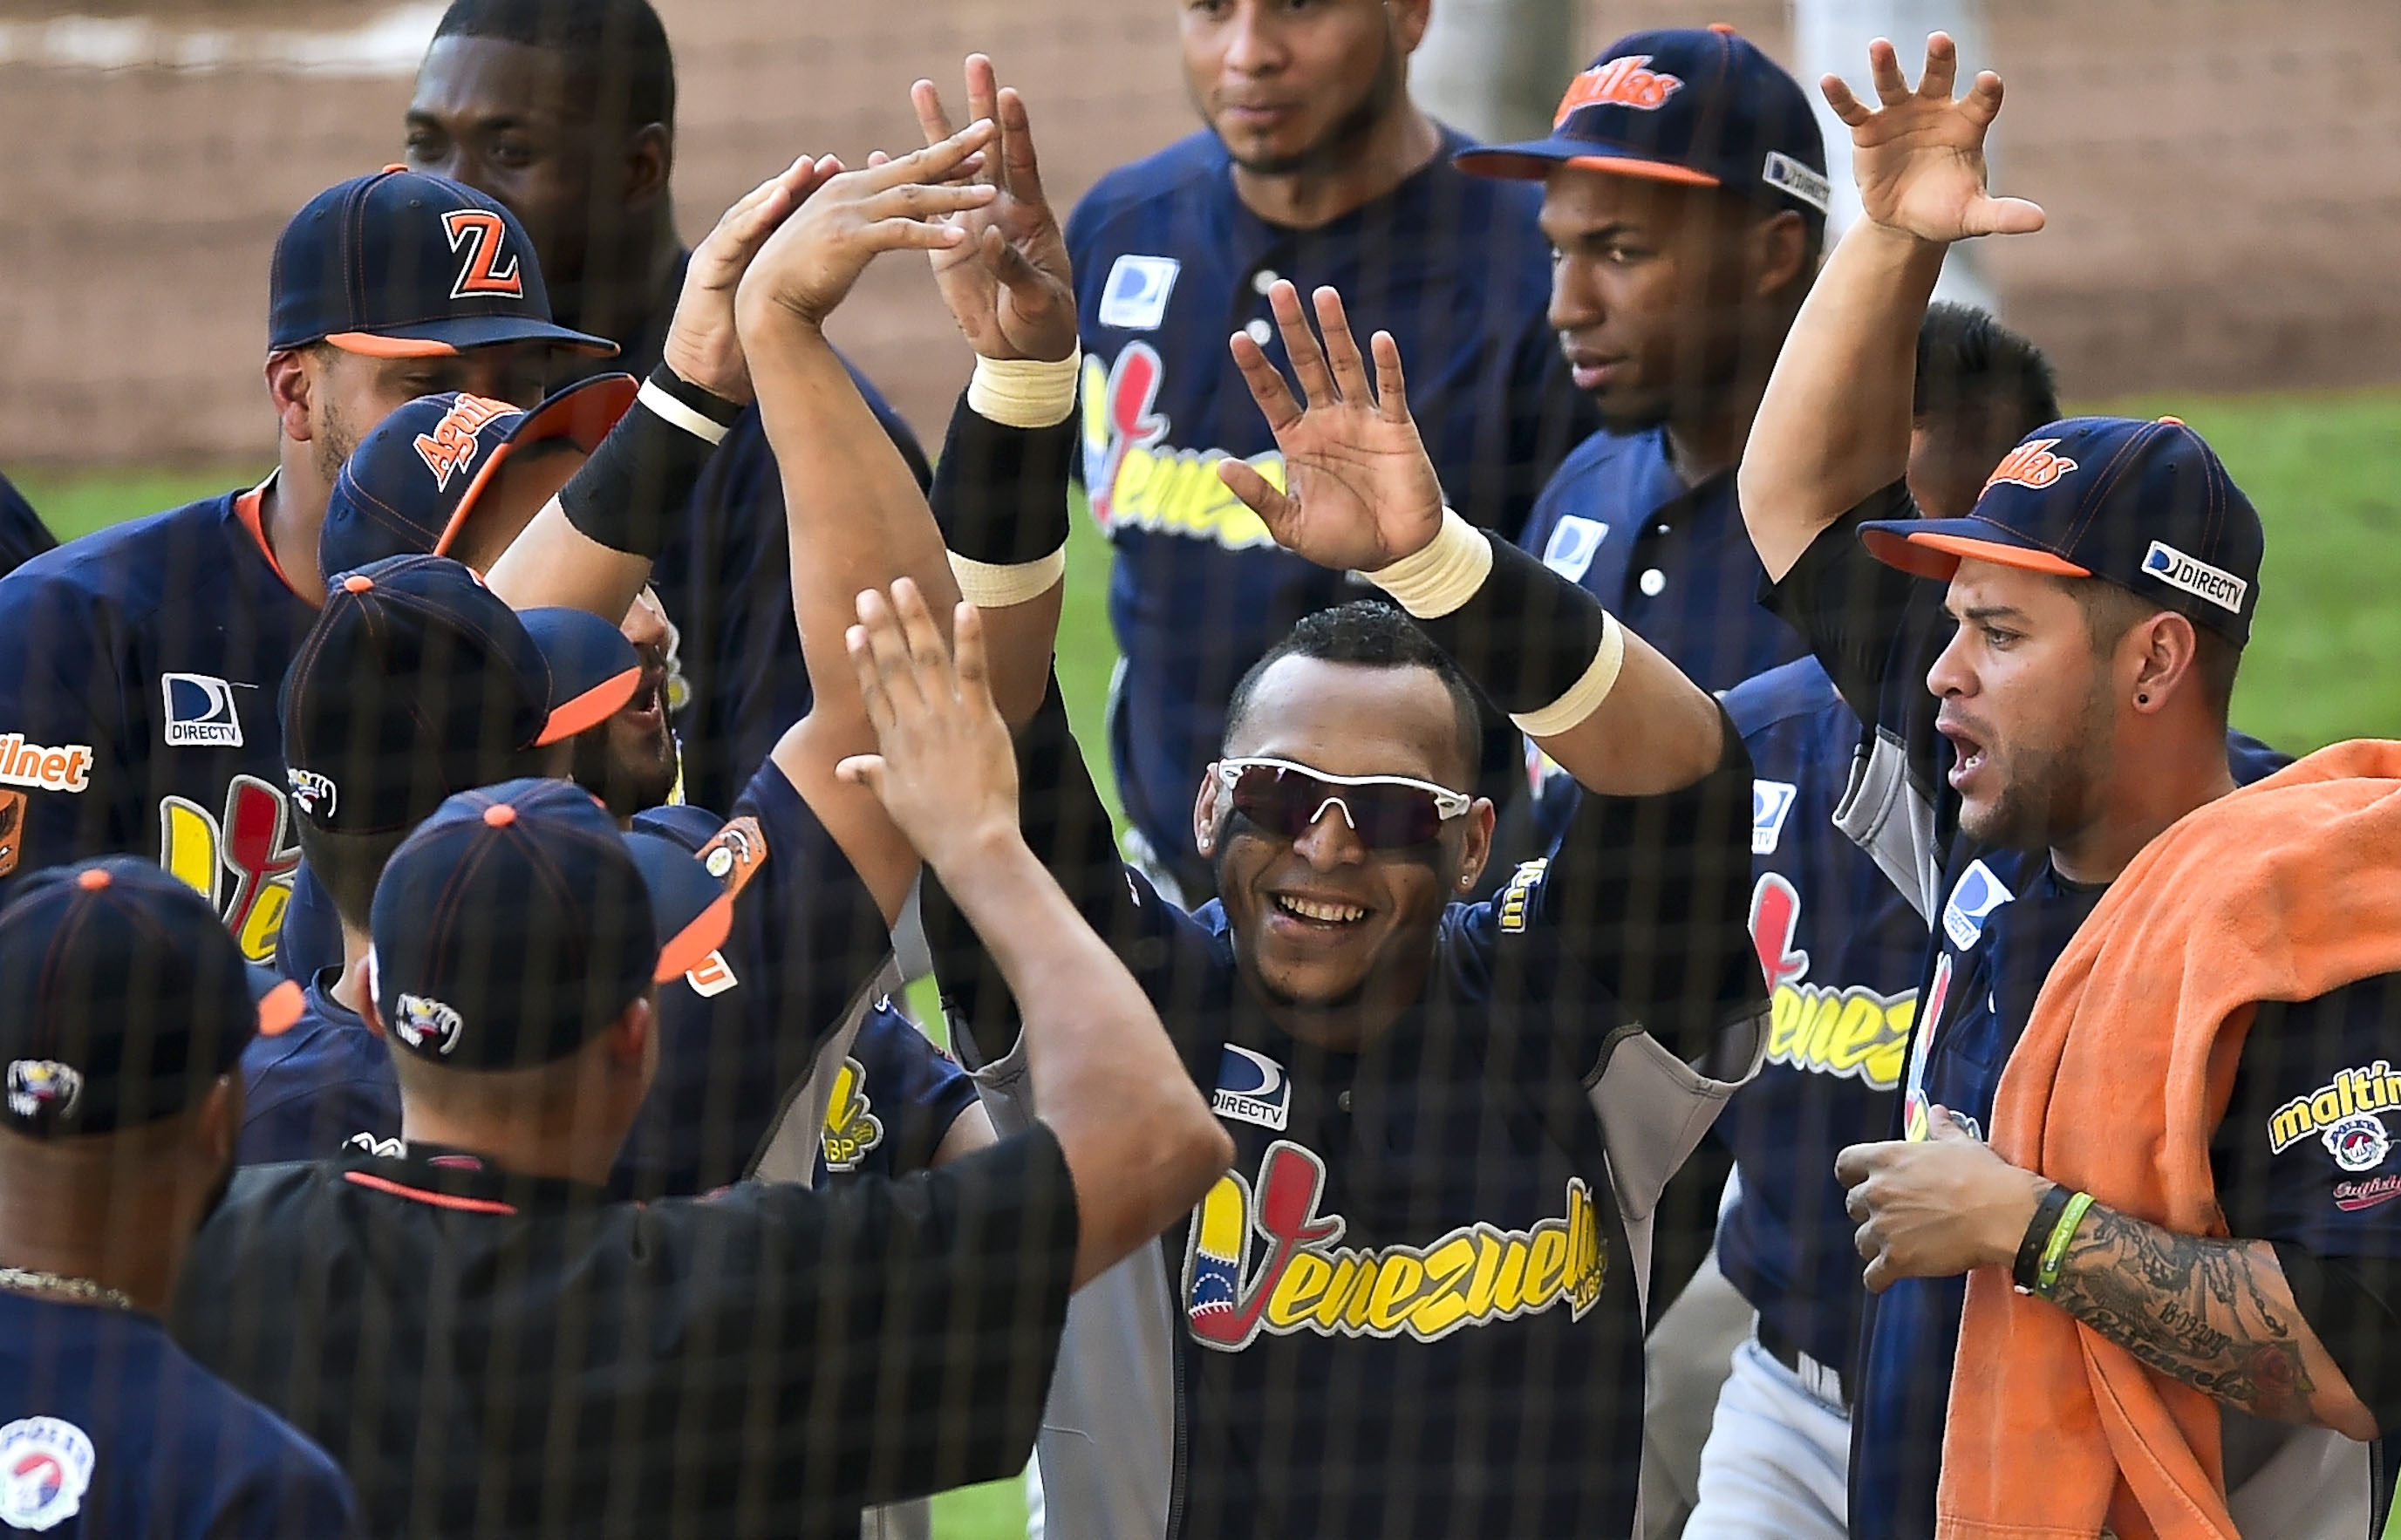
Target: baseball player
2038, 723
1416, 1302
23, 536
138, 666
127, 1009
1314, 165
564, 110
524, 1355
1842, 950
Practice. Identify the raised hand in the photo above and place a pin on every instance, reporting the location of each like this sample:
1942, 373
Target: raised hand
808, 265
1008, 284
1920, 156
701, 343
946, 774
1359, 493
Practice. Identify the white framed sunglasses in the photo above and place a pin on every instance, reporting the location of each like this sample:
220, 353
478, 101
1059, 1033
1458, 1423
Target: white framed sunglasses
1386, 812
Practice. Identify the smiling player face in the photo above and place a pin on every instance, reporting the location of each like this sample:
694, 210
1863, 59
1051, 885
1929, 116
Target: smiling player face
2028, 706
1333, 935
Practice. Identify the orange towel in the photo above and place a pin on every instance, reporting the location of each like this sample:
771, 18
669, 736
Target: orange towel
2283, 891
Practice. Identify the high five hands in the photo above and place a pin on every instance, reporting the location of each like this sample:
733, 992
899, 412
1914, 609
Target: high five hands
809, 263
1919, 156
1359, 491
1007, 283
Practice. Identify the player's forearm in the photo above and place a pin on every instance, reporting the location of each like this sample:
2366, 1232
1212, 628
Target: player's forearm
1610, 709
1834, 423
857, 519
554, 563
1142, 1144
2215, 1314
1001, 497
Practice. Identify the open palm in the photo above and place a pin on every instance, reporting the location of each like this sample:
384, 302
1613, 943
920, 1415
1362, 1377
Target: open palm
1359, 493
1919, 156
1008, 284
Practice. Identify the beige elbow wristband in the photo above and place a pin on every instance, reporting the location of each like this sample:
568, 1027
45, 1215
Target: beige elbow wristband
1583, 698
1025, 392
991, 587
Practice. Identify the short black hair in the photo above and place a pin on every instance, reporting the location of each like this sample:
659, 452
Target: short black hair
1371, 633
616, 52
347, 866
1976, 376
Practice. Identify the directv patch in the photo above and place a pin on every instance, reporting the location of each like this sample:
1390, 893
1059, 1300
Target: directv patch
200, 712
1783, 171
1252, 1088
1135, 295
1570, 550
1972, 902
1771, 804
2195, 577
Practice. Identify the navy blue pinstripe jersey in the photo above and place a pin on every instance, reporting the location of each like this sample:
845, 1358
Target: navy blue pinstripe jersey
1673, 562
108, 1431
138, 676
1997, 919
1406, 1309
1842, 951
1169, 262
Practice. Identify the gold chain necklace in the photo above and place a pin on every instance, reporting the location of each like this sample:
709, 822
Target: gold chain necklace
82, 1290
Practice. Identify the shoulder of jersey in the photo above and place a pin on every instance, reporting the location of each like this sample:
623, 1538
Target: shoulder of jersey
1783, 693
129, 557
1195, 158
688, 826
1598, 449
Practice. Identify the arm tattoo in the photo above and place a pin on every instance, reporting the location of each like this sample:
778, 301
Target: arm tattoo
2212, 1314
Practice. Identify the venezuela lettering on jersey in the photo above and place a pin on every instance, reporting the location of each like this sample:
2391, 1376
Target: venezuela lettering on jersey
242, 862
1473, 1276
1138, 481
1822, 1028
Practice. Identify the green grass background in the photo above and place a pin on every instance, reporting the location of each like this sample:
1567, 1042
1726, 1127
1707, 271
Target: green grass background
2321, 667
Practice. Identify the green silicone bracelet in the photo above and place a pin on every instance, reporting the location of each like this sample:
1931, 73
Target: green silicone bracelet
2046, 1277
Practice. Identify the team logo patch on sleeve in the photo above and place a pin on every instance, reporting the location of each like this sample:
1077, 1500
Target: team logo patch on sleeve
2346, 1114
1516, 900
735, 853
200, 712
1476, 1276
45, 1466
1573, 542
65, 768
2195, 577
1252, 1088
852, 1129
1134, 298
12, 830
1977, 894
1771, 804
